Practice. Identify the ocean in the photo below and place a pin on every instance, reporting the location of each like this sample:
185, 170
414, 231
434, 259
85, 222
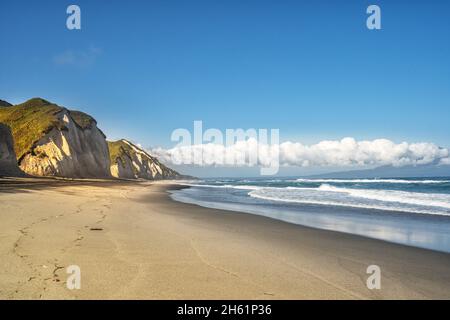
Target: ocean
409, 211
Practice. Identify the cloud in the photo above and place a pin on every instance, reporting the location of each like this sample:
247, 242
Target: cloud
347, 152
78, 58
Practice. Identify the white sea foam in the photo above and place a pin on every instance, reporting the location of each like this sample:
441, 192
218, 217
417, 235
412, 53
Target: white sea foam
243, 187
415, 198
332, 195
355, 209
400, 181
226, 186
424, 203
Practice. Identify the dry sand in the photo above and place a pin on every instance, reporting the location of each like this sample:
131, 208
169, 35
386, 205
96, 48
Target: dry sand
146, 246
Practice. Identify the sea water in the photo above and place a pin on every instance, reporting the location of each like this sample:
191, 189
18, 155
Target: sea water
410, 211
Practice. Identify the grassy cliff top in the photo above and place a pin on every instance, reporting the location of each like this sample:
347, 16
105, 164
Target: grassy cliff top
31, 120
82, 119
117, 149
123, 148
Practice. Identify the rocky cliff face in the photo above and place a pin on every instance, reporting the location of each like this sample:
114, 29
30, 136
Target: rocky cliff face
50, 140
8, 161
69, 151
4, 103
128, 161
54, 141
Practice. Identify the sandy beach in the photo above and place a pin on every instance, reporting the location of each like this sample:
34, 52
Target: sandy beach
131, 241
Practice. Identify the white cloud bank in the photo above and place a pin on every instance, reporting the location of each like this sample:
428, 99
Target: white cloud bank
338, 153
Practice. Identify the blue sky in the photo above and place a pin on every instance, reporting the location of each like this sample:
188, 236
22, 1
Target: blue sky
310, 68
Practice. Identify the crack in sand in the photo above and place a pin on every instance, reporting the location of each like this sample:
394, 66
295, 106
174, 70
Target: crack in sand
216, 267
322, 279
55, 271
35, 270
191, 242
311, 274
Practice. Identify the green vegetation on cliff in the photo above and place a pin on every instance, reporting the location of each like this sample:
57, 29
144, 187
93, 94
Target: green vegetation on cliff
31, 120
82, 119
123, 152
117, 151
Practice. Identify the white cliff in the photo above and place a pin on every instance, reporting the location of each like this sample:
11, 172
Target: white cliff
51, 140
128, 161
70, 151
8, 160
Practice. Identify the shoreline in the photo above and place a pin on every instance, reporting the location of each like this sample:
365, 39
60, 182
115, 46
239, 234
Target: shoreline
173, 187
132, 241
403, 228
